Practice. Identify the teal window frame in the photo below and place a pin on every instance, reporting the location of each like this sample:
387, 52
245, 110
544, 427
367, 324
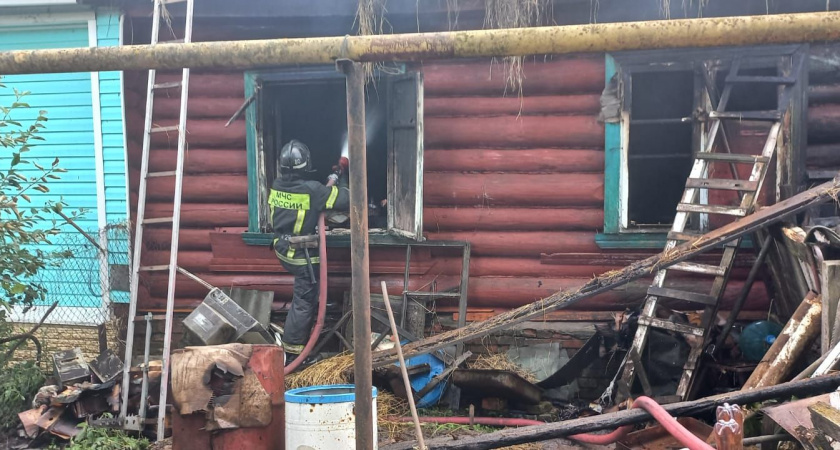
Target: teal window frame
611, 237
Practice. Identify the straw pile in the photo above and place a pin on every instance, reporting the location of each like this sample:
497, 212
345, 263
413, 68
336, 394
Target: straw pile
500, 361
339, 370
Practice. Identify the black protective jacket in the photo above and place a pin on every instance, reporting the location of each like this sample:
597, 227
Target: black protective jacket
295, 204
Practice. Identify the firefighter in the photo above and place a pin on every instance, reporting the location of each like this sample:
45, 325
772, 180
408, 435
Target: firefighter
295, 204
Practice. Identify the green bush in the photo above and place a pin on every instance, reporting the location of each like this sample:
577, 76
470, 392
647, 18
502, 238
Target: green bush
18, 385
105, 439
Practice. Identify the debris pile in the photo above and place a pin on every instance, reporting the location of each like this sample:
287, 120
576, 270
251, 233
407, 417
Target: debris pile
84, 391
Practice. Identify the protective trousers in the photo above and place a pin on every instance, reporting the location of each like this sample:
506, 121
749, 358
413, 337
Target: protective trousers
303, 309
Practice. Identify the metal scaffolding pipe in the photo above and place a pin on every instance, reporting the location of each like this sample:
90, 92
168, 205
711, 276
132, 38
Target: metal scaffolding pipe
705, 32
359, 257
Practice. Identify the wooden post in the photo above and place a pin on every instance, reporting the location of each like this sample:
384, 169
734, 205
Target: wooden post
359, 257
830, 274
791, 344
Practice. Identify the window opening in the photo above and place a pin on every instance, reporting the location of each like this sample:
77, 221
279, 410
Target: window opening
310, 105
659, 153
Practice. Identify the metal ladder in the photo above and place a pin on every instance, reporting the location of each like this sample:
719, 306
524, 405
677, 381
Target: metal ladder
699, 179
175, 220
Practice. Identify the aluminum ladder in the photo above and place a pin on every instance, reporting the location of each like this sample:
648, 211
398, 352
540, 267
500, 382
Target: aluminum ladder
699, 179
150, 128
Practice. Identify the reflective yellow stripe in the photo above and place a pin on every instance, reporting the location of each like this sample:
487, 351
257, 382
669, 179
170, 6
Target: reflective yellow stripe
288, 200
301, 214
299, 222
332, 198
298, 261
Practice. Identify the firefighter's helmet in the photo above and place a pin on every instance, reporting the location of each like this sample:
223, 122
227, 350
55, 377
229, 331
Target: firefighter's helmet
294, 157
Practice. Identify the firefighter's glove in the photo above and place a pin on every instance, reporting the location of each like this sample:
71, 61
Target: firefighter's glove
333, 178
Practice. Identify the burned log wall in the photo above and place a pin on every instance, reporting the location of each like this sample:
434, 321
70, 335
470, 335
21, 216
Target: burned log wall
516, 176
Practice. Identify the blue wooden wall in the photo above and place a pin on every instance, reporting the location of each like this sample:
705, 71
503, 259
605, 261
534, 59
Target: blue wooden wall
85, 131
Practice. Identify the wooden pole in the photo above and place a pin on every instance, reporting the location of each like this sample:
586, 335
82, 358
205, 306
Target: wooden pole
685, 33
359, 257
800, 331
537, 433
395, 335
565, 298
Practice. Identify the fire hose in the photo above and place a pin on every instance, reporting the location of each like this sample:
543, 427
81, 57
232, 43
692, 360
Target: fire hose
322, 284
668, 422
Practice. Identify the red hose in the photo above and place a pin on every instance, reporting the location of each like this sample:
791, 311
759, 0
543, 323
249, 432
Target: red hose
489, 421
322, 298
668, 422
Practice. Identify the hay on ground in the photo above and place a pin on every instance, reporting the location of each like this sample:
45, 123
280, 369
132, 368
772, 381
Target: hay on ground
500, 361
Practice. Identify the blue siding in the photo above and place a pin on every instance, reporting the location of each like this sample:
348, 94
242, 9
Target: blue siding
69, 135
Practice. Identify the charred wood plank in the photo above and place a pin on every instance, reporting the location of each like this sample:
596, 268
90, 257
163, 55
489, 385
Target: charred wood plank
692, 408
604, 283
826, 418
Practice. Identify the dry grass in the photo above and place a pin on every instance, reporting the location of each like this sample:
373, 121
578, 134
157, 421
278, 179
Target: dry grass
516, 14
500, 361
339, 370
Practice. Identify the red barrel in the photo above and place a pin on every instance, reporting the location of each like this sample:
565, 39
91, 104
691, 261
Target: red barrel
188, 431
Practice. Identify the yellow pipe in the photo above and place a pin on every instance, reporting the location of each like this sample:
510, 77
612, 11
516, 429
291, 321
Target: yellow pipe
707, 32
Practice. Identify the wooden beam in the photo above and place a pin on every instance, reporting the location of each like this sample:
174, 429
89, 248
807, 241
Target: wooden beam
826, 418
830, 282
567, 297
537, 433
612, 37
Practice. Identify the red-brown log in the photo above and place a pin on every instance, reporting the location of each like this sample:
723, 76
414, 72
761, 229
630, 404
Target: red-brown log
823, 124
198, 108
519, 160
192, 260
821, 94
201, 188
446, 189
513, 131
216, 85
513, 243
487, 266
823, 156
188, 239
511, 219
203, 214
208, 133
489, 292
197, 161
512, 104
578, 75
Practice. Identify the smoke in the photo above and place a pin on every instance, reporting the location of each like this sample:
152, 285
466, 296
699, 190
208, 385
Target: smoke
373, 122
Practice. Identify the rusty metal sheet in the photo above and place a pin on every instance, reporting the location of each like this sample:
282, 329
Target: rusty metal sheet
500, 383
794, 414
29, 419
657, 438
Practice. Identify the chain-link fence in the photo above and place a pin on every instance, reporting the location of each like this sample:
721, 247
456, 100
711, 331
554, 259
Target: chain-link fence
87, 285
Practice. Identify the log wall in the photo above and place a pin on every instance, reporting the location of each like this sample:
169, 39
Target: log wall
516, 176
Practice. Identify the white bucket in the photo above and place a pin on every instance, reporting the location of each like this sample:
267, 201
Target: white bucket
323, 418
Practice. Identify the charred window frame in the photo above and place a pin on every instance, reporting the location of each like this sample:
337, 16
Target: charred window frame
401, 93
655, 71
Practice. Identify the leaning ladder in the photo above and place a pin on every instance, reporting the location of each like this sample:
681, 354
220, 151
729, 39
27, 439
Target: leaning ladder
150, 128
699, 179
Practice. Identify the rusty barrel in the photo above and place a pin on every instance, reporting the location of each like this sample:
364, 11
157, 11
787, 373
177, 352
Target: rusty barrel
188, 431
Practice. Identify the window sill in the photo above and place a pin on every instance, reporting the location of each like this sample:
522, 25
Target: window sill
631, 240
655, 241
333, 240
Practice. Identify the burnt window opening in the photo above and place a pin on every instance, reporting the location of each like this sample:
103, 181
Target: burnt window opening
660, 144
315, 114
753, 96
310, 105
